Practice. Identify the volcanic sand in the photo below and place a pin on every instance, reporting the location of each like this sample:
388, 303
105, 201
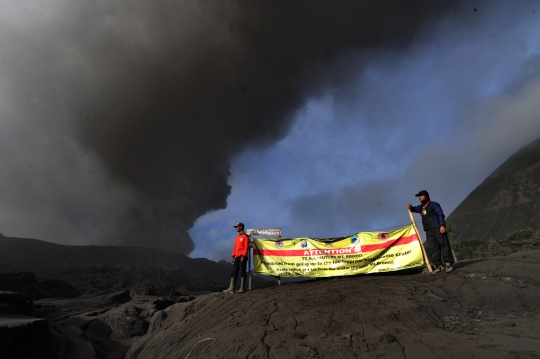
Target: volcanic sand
486, 308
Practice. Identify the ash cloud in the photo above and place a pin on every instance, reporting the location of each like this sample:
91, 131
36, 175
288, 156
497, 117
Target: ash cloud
119, 119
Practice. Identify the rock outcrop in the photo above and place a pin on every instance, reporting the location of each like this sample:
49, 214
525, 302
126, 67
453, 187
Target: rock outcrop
20, 333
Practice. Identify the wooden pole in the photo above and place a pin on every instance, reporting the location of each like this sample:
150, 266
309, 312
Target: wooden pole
279, 277
250, 259
426, 259
454, 254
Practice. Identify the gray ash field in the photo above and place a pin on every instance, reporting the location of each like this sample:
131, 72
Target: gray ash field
485, 308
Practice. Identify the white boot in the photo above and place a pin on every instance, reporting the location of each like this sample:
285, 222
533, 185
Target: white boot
242, 285
231, 287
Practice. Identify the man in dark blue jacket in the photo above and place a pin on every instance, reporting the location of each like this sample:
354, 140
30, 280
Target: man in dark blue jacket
436, 236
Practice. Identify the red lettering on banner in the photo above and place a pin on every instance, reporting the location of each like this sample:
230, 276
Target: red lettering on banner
336, 251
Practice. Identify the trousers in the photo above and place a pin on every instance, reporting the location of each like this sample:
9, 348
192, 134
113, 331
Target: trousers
239, 266
439, 245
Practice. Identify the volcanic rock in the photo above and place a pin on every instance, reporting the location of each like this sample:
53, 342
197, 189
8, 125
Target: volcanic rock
392, 315
21, 335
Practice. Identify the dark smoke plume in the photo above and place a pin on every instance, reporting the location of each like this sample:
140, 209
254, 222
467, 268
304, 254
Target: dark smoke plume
165, 93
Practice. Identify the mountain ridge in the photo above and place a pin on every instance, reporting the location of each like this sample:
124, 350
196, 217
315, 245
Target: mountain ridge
508, 200
111, 267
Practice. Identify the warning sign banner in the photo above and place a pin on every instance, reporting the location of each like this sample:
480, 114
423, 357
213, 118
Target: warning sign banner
364, 252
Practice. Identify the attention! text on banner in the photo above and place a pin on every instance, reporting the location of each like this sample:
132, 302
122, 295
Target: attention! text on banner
363, 252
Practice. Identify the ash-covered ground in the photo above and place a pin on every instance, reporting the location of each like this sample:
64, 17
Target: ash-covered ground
485, 308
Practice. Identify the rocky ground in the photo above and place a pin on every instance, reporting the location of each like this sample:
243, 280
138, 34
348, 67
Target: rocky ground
486, 308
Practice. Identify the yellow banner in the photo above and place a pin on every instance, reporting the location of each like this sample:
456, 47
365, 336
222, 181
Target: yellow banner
364, 252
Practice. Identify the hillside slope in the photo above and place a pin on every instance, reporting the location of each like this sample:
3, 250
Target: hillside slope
485, 309
110, 267
516, 180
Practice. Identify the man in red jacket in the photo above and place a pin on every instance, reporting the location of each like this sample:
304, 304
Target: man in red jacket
239, 258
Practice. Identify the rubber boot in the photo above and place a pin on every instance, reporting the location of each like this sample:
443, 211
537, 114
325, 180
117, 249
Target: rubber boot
242, 285
231, 287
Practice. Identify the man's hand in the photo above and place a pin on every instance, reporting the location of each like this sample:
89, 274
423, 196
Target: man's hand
443, 229
242, 258
409, 206
232, 259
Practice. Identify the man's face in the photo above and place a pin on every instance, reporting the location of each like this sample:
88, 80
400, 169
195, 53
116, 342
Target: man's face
422, 198
239, 229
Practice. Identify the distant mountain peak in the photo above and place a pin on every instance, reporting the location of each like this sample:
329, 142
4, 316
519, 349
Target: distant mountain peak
511, 196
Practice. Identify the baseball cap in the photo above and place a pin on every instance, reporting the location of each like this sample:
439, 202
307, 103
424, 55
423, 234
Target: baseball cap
239, 224
422, 193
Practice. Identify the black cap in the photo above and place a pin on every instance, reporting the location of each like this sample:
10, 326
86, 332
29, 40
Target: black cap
422, 193
238, 224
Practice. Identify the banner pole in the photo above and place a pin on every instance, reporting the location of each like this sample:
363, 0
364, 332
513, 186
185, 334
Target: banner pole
279, 277
250, 250
426, 259
454, 254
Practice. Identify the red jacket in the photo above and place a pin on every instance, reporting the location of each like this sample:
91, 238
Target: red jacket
241, 245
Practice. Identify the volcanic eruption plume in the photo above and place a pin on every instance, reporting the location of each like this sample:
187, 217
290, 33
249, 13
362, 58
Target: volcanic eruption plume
119, 118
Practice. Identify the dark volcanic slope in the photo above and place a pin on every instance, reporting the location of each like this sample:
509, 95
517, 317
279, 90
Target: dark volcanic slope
32, 255
487, 308
516, 180
108, 267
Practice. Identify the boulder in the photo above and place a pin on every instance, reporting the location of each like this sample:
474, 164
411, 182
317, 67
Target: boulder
22, 335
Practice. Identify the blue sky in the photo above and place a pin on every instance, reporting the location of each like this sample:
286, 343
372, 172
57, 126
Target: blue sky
440, 116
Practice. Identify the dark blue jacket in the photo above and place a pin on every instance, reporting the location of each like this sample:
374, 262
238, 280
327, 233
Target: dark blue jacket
434, 217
